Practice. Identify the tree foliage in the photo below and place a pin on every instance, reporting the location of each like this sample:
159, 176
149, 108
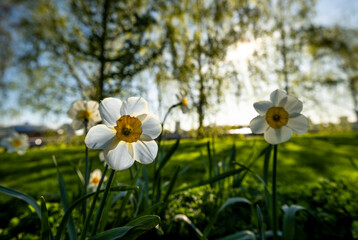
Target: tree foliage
198, 36
85, 49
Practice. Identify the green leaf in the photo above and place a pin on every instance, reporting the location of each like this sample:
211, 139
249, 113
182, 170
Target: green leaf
102, 203
106, 210
151, 209
68, 213
64, 200
147, 220
267, 152
211, 164
211, 180
157, 175
45, 229
289, 221
228, 202
22, 196
184, 218
167, 157
171, 184
131, 231
231, 158
126, 198
242, 235
260, 222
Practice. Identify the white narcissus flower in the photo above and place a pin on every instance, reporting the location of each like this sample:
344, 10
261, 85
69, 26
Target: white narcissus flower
95, 177
183, 101
127, 134
82, 111
16, 142
279, 117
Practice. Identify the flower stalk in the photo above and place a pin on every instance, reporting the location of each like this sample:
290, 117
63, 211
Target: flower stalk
274, 193
88, 218
102, 203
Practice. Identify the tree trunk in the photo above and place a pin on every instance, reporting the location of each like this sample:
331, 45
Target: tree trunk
102, 59
202, 100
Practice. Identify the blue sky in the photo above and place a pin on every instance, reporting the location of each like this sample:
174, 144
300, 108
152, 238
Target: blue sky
329, 12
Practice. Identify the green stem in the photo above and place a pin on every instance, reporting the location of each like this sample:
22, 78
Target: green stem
102, 203
165, 118
160, 149
87, 173
166, 115
274, 193
126, 198
84, 205
88, 218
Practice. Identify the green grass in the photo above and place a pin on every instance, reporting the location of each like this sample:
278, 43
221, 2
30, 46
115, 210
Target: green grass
302, 164
303, 160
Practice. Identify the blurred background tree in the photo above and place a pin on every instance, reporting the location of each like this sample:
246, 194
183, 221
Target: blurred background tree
55, 52
84, 49
198, 36
338, 48
282, 39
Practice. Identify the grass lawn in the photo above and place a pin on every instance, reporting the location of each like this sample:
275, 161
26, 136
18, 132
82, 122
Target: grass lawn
302, 163
302, 160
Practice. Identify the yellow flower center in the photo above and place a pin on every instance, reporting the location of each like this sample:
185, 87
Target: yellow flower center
128, 129
276, 117
185, 101
84, 114
16, 143
95, 180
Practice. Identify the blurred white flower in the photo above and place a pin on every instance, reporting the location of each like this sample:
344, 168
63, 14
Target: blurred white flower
279, 117
127, 133
101, 157
183, 101
16, 142
95, 177
82, 111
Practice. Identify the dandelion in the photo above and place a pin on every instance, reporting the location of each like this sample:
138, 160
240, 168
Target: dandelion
127, 134
84, 112
95, 177
279, 117
183, 101
16, 142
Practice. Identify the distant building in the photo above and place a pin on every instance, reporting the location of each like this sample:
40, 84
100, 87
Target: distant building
38, 135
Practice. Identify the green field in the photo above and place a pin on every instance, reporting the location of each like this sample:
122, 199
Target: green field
302, 160
302, 163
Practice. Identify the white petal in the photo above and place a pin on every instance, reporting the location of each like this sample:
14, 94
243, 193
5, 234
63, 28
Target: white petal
145, 152
77, 124
21, 152
13, 135
120, 158
6, 142
72, 113
134, 106
79, 105
298, 123
278, 97
90, 124
91, 106
151, 125
276, 136
100, 137
96, 117
110, 108
258, 124
24, 137
293, 105
262, 107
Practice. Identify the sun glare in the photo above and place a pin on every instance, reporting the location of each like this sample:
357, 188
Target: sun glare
241, 51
